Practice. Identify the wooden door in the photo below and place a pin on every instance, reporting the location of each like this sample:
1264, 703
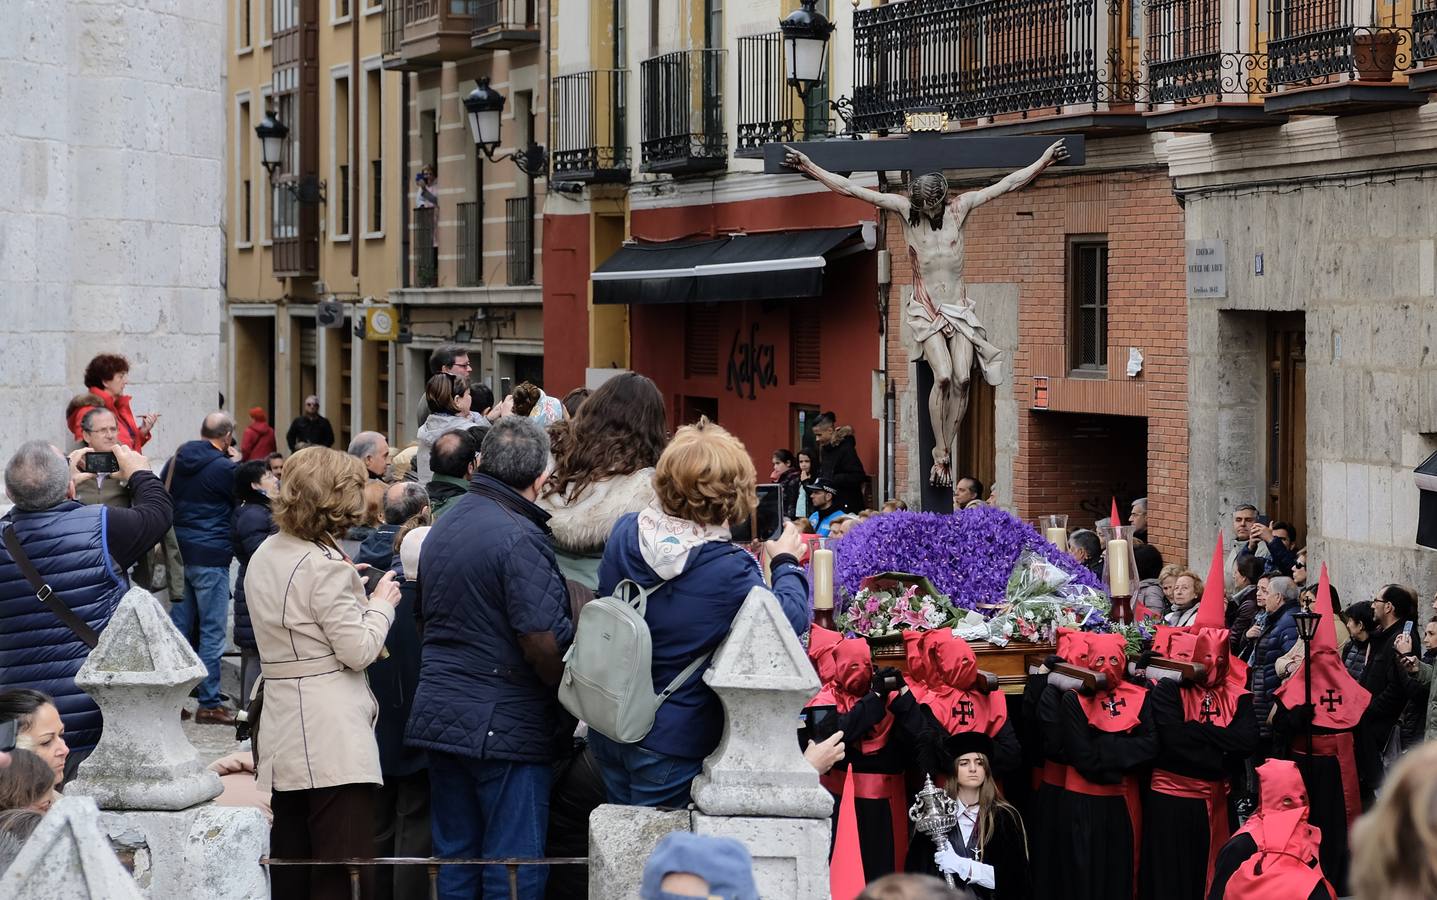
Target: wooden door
1287, 420
977, 446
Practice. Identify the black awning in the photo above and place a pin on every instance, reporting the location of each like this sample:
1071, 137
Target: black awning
780, 265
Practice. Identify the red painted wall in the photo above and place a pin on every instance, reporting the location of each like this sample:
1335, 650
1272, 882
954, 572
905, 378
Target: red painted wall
566, 302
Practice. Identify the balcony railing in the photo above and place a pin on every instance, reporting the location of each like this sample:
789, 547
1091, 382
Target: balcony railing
434, 32
682, 115
982, 58
471, 244
769, 109
588, 126
519, 218
426, 250
1187, 59
393, 28
1320, 42
1424, 30
505, 24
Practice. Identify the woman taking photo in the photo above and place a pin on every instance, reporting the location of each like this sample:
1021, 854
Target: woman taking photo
988, 849
679, 549
450, 403
317, 633
603, 470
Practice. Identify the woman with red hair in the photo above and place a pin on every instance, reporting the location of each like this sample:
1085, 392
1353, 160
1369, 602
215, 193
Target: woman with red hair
106, 377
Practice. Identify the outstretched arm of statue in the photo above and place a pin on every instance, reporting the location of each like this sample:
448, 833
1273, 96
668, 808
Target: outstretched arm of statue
1017, 180
840, 185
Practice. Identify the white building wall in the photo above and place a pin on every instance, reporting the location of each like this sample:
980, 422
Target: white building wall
112, 145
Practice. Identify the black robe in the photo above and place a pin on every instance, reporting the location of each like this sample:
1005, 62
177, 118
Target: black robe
1176, 833
1006, 851
1236, 852
1327, 806
1042, 706
1095, 841
875, 817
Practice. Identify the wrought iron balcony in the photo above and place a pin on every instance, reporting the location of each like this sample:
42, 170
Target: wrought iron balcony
505, 24
391, 47
519, 221
588, 126
769, 109
1319, 42
1186, 56
426, 248
434, 32
1424, 31
990, 58
682, 112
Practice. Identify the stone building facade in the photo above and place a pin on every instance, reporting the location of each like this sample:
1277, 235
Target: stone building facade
112, 145
1328, 226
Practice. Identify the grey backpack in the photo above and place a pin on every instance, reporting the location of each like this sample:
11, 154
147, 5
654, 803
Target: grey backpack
608, 672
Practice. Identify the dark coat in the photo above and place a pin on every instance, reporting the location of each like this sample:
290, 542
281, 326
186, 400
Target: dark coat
253, 522
839, 463
315, 432
791, 484
69, 545
496, 613
1386, 682
689, 616
1278, 636
395, 678
203, 490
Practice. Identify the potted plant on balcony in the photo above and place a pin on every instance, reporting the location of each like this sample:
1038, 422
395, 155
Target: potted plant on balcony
1374, 53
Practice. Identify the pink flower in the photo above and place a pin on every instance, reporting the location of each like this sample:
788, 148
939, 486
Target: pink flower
912, 618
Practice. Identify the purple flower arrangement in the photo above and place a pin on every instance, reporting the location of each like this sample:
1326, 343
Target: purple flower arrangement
968, 555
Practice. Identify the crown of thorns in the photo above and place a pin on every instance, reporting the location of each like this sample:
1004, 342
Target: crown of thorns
921, 187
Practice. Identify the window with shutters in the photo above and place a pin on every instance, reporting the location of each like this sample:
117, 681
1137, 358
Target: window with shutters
805, 338
1088, 305
701, 351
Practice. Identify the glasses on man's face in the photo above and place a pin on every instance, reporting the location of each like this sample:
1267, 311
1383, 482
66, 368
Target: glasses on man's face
1299, 565
115, 430
464, 365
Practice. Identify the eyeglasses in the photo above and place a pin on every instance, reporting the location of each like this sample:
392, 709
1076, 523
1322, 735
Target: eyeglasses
115, 430
1299, 565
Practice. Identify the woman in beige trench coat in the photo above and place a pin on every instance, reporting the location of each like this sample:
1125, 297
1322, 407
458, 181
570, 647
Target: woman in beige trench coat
317, 632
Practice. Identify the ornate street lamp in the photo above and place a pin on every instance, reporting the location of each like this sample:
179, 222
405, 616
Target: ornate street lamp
805, 46
1307, 622
271, 133
485, 108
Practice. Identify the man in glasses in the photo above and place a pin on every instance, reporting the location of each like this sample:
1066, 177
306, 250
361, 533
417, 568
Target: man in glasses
310, 429
100, 431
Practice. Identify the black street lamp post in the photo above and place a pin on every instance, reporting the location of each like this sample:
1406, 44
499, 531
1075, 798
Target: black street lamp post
485, 108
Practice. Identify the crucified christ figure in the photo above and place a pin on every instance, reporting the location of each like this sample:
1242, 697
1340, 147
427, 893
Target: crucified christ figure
937, 312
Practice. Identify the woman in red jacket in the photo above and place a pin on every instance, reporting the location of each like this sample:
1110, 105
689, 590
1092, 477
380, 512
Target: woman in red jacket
258, 440
106, 377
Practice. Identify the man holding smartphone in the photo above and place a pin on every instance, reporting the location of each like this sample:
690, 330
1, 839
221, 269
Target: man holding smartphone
100, 432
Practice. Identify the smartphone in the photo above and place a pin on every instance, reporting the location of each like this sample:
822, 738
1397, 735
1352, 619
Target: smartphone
1264, 520
97, 463
506, 387
768, 515
372, 577
822, 722
8, 732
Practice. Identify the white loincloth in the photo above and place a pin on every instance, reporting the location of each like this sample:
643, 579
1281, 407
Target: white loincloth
954, 317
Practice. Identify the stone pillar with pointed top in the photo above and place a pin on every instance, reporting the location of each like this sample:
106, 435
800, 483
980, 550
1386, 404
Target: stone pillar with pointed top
147, 777
756, 787
69, 856
140, 674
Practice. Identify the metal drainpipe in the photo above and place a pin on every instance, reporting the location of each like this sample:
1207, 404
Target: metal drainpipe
885, 286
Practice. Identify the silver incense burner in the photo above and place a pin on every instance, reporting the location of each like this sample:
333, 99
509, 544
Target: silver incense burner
936, 815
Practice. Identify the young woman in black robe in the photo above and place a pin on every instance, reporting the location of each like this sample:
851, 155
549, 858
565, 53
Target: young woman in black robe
1106, 740
988, 848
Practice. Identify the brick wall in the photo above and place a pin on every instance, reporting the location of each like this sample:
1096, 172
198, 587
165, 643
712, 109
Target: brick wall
1091, 444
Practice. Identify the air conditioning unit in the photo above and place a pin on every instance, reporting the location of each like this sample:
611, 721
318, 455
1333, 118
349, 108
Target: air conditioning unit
329, 314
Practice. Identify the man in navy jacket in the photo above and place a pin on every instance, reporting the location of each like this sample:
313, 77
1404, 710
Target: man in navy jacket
201, 482
496, 624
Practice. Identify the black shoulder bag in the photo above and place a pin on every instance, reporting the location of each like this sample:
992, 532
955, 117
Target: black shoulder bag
46, 594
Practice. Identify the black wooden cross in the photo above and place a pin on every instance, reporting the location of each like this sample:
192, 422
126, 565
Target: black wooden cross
964, 712
1332, 699
1113, 704
924, 152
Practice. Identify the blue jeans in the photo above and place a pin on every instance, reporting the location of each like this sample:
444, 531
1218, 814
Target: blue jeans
488, 809
634, 776
205, 607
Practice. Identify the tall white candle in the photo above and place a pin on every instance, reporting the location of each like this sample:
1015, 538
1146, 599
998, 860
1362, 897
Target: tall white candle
823, 579
1058, 537
1119, 578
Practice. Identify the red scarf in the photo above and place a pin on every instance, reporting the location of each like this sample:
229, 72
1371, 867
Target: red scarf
1214, 700
845, 666
952, 694
1116, 710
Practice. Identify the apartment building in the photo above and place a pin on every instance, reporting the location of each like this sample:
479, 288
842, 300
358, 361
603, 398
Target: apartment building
314, 243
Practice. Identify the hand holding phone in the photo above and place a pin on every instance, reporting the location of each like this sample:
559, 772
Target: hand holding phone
99, 463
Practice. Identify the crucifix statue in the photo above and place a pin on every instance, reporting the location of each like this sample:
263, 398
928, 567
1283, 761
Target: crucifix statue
938, 314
